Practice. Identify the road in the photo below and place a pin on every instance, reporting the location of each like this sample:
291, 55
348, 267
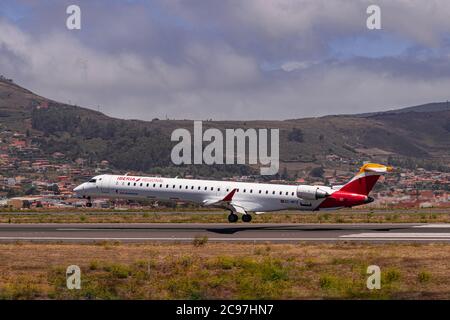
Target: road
225, 232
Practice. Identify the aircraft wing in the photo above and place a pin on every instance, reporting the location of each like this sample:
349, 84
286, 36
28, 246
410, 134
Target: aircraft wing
228, 203
226, 200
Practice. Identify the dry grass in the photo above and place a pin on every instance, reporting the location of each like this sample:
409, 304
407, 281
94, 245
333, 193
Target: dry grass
436, 215
218, 271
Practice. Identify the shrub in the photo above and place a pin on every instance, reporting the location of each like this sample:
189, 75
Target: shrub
94, 265
327, 282
392, 275
225, 262
423, 276
200, 241
119, 271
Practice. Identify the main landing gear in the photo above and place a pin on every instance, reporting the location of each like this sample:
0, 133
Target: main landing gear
233, 217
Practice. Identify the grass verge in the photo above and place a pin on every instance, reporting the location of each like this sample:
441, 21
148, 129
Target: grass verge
433, 215
218, 271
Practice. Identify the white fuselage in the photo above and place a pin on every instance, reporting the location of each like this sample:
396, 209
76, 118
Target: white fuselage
252, 197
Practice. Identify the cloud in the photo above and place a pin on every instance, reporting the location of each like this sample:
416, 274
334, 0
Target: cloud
295, 65
230, 60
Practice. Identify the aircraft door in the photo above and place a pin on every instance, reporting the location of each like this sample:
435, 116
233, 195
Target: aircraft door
104, 184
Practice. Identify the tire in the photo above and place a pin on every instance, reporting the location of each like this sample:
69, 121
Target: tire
88, 204
232, 218
246, 217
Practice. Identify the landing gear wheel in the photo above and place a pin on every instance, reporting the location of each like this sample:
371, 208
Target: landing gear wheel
246, 217
89, 203
233, 218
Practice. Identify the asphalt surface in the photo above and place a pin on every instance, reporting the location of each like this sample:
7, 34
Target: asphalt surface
225, 232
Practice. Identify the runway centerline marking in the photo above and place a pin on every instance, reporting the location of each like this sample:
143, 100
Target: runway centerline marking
434, 226
397, 235
341, 238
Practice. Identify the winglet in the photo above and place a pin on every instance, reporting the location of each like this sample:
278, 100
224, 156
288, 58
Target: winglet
375, 167
229, 196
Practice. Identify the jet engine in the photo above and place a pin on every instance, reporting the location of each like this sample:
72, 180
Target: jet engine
311, 192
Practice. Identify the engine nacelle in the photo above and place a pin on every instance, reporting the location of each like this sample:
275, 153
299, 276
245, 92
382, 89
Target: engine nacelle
311, 192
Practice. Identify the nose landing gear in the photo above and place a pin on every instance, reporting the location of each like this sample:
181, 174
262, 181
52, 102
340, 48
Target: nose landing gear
89, 203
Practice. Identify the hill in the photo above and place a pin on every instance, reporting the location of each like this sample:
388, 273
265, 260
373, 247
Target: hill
428, 107
415, 136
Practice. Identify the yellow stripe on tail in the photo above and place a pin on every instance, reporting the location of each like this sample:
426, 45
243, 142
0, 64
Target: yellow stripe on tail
375, 167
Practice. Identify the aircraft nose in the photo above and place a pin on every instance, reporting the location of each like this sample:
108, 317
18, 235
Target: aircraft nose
79, 188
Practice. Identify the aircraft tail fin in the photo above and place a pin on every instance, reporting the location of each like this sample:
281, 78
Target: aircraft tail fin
365, 179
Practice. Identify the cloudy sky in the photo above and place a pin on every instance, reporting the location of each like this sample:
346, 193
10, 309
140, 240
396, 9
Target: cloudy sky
220, 59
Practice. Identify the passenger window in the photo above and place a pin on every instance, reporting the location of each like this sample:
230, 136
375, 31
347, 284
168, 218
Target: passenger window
181, 186
141, 184
251, 191
267, 191
173, 186
148, 185
192, 188
129, 183
154, 185
199, 188
292, 193
228, 189
161, 186
187, 187
212, 188
244, 190
218, 189
287, 193
134, 184
273, 192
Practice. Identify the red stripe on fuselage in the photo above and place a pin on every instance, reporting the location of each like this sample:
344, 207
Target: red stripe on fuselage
343, 199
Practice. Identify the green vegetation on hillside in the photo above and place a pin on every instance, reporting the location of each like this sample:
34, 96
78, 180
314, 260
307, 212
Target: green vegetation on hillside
402, 137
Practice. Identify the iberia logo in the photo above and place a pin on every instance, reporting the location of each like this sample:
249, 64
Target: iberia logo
136, 179
126, 178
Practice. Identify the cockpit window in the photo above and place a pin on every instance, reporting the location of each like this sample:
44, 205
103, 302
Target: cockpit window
92, 180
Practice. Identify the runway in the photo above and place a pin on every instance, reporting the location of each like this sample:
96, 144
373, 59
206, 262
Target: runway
225, 232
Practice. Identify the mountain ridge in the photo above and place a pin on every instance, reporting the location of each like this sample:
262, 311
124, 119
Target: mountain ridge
398, 136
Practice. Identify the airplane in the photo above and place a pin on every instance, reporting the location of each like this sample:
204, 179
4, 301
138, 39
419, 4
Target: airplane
238, 197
